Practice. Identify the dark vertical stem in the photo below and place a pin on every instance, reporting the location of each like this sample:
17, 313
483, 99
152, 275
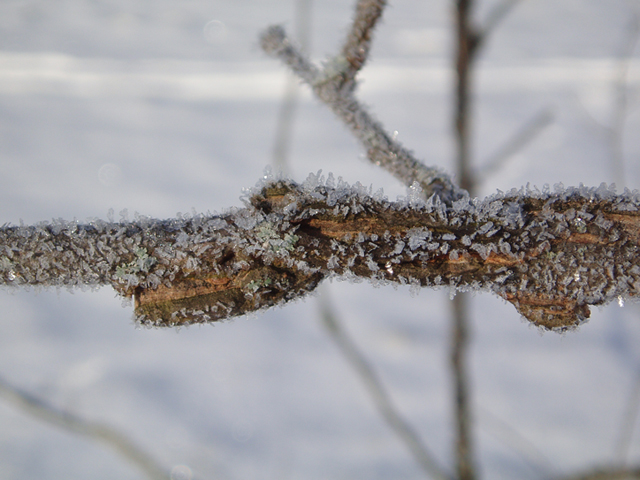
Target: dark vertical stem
467, 42
459, 340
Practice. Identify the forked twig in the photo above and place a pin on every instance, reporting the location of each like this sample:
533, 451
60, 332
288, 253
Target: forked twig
334, 85
467, 42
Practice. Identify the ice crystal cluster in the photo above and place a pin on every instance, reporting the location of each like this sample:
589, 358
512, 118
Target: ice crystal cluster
550, 253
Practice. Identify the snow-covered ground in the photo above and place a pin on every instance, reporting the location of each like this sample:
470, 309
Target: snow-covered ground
161, 107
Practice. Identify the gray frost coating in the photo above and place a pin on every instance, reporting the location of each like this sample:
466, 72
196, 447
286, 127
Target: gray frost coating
334, 85
551, 254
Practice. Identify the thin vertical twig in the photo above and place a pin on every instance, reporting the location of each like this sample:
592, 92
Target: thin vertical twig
467, 43
616, 139
462, 411
496, 15
287, 112
628, 424
619, 116
378, 393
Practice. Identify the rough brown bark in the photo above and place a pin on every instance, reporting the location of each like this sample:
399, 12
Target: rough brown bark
550, 255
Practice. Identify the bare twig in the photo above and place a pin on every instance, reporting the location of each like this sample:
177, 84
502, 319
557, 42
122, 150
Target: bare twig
619, 115
378, 394
467, 43
284, 124
124, 446
523, 136
356, 48
463, 419
511, 438
628, 423
329, 86
496, 16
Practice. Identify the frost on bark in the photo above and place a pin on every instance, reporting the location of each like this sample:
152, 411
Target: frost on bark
550, 254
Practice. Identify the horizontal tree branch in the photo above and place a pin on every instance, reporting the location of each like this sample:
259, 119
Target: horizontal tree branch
550, 254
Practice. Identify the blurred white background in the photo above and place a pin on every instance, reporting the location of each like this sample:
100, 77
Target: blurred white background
161, 107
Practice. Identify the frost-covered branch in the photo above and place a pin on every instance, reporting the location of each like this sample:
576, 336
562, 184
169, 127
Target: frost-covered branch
550, 254
334, 85
358, 43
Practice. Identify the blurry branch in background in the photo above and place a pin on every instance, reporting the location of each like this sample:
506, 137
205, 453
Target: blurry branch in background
615, 130
611, 473
517, 142
118, 442
467, 41
286, 114
378, 393
334, 85
511, 438
628, 423
496, 15
615, 137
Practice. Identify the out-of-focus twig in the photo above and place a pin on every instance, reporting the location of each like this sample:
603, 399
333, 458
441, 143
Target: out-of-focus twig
519, 140
463, 419
284, 124
628, 423
619, 115
119, 442
612, 473
468, 40
496, 15
505, 433
378, 394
